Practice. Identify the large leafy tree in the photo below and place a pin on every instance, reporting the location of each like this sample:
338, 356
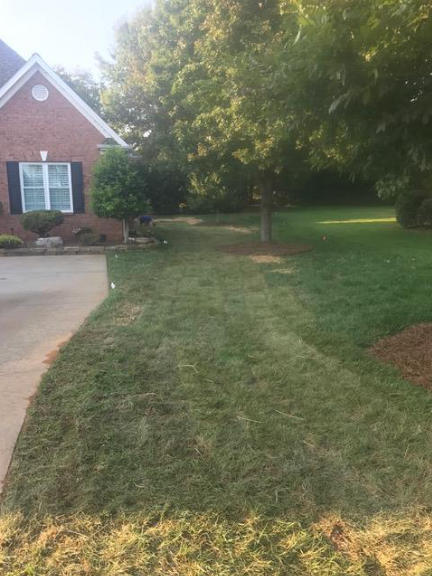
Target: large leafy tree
232, 91
231, 108
364, 84
196, 81
139, 81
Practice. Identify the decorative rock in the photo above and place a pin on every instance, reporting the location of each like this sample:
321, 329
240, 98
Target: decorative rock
50, 242
71, 249
91, 250
144, 240
117, 247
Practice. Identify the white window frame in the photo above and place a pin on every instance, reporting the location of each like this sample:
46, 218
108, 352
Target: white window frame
46, 183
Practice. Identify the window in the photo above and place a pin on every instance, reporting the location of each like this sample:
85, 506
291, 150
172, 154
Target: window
46, 187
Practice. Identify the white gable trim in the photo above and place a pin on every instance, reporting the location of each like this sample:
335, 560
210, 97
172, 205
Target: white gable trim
37, 64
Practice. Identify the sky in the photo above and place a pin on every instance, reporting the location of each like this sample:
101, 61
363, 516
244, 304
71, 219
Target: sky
65, 33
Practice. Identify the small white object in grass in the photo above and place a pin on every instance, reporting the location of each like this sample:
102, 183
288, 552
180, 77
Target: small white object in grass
388, 261
165, 242
113, 285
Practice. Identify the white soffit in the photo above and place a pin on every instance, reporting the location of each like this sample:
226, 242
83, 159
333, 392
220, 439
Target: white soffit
37, 64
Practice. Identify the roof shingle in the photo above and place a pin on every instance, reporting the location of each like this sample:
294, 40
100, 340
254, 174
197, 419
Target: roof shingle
10, 62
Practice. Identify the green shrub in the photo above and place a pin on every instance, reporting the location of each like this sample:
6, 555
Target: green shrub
89, 238
40, 222
143, 231
9, 241
407, 208
424, 214
118, 188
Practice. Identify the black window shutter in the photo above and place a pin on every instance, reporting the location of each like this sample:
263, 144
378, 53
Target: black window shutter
14, 184
77, 187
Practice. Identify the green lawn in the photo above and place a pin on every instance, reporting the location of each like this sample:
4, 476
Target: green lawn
216, 416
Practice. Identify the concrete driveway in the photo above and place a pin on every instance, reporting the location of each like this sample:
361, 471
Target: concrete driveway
43, 300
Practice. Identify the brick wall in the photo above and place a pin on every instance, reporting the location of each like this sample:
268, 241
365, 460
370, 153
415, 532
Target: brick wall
26, 128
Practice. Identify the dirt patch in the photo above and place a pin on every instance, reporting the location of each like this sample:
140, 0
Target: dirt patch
284, 271
241, 229
127, 314
265, 259
410, 351
51, 356
238, 229
185, 219
265, 249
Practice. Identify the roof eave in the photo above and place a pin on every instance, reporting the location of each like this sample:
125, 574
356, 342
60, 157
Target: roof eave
36, 63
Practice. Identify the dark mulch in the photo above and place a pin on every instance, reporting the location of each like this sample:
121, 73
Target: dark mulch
265, 248
410, 351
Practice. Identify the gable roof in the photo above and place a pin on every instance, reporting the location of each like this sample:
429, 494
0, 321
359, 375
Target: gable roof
36, 64
10, 62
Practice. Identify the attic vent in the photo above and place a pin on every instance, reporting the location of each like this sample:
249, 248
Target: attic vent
40, 92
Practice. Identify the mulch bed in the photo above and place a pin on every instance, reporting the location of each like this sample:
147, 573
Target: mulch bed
410, 351
265, 249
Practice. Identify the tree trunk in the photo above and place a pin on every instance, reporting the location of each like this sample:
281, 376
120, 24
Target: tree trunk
266, 210
125, 231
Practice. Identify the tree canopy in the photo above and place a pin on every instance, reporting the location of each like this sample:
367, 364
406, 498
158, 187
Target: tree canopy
85, 86
233, 93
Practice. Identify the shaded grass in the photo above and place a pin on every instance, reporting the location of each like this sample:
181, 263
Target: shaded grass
216, 417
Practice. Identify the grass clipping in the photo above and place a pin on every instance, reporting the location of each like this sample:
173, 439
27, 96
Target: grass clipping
410, 351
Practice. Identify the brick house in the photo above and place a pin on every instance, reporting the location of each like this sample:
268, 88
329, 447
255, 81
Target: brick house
49, 140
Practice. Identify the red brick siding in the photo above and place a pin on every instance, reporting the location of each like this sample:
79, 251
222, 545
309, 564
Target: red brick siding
26, 128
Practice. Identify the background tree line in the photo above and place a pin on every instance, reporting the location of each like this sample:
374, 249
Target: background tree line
229, 99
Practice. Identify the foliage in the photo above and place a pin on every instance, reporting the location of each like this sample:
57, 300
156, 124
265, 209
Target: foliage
10, 241
216, 192
137, 83
266, 89
185, 83
143, 231
89, 239
118, 188
424, 215
363, 88
41, 222
414, 210
83, 83
407, 209
166, 187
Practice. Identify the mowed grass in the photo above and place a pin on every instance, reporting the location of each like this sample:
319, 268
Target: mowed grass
216, 416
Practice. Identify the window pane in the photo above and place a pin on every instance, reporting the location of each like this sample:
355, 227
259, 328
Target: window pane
60, 199
33, 187
34, 199
58, 177
32, 175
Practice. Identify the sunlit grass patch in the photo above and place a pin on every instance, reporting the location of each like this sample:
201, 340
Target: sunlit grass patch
390, 544
195, 545
186, 545
359, 221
